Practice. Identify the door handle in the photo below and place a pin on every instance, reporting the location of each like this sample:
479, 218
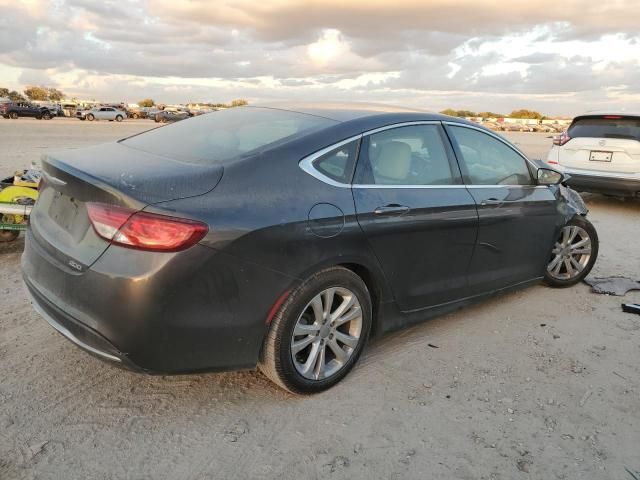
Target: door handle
491, 201
495, 201
393, 209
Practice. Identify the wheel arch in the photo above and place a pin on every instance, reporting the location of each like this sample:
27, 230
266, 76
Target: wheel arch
370, 274
374, 285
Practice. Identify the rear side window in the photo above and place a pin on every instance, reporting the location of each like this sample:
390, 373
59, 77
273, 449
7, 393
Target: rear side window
338, 164
412, 155
488, 161
225, 135
604, 127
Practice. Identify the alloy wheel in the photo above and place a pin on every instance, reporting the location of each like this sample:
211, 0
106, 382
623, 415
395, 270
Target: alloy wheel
570, 254
326, 333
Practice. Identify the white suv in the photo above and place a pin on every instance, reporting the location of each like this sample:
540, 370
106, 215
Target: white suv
601, 153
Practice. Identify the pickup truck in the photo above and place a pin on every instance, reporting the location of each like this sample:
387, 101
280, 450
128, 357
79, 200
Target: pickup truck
14, 110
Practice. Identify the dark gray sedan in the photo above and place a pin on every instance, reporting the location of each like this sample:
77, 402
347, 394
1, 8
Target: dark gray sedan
283, 237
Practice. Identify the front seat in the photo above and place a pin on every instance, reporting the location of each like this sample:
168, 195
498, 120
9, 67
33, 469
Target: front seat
393, 164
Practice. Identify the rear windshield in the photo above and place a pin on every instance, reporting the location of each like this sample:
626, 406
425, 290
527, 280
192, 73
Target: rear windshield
606, 128
218, 137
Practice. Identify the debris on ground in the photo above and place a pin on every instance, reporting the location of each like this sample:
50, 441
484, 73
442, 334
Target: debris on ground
631, 308
618, 286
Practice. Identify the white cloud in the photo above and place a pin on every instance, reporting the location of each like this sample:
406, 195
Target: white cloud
460, 53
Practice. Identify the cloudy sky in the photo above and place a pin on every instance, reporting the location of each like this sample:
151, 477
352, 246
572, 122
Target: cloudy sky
560, 57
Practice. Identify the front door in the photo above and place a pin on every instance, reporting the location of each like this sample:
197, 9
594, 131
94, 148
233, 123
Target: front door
418, 217
517, 218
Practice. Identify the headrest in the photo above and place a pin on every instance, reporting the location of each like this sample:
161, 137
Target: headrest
394, 161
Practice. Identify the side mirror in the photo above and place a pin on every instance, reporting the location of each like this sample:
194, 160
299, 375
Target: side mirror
546, 176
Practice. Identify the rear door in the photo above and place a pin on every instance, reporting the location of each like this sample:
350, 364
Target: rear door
517, 218
605, 143
418, 217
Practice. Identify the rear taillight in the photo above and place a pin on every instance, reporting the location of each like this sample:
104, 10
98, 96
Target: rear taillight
561, 139
143, 230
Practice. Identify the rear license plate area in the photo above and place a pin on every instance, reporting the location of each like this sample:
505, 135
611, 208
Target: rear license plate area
599, 156
63, 210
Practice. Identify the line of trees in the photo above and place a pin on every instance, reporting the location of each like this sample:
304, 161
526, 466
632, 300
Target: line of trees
33, 92
522, 113
239, 102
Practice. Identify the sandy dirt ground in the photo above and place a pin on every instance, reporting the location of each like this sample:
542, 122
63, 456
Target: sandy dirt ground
538, 384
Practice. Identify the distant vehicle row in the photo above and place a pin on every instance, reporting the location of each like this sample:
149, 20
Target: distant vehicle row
14, 110
522, 127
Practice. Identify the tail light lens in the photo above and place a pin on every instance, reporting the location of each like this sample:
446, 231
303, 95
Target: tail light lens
143, 230
561, 139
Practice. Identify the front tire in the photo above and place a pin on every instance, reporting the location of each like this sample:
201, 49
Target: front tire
46, 116
573, 255
13, 115
90, 117
118, 118
319, 332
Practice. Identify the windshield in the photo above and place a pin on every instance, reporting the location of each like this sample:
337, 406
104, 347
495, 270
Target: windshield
606, 127
218, 137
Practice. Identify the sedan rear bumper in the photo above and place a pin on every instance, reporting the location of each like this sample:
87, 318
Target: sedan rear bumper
157, 312
74, 330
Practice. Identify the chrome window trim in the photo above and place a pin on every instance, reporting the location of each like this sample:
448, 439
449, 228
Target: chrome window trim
306, 163
400, 125
453, 185
497, 137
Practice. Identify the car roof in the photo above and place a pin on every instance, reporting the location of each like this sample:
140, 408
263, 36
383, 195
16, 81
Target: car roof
344, 112
596, 113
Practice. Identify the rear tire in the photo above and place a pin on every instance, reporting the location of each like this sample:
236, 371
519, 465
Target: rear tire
333, 333
573, 255
90, 117
118, 118
13, 115
46, 116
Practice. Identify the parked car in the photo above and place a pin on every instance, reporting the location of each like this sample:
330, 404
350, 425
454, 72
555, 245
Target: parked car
330, 223
165, 116
492, 125
136, 113
601, 153
541, 128
14, 110
101, 113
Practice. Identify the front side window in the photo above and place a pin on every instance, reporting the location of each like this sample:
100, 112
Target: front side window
412, 155
488, 161
338, 164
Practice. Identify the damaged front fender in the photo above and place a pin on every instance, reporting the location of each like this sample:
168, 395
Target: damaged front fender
570, 203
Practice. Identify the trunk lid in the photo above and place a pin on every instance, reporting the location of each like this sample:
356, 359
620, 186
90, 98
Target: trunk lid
113, 174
